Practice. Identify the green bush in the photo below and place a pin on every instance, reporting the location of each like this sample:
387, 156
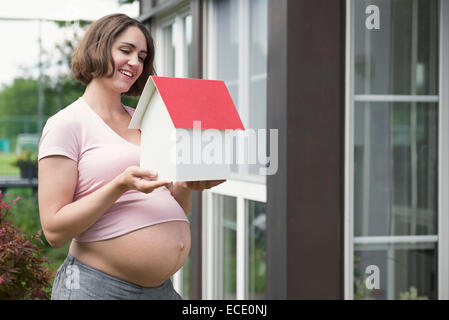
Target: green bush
23, 274
25, 216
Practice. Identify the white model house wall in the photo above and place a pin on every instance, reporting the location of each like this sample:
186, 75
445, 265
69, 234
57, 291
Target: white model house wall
156, 139
204, 160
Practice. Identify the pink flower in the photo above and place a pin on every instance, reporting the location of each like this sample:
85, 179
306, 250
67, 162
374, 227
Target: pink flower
16, 199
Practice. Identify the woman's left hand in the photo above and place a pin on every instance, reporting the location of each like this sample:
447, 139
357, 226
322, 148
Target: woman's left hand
201, 185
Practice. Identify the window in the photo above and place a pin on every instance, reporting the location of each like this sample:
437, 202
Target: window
238, 243
234, 228
225, 242
394, 125
237, 53
173, 44
234, 212
169, 50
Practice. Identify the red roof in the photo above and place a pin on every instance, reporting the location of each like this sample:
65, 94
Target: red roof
189, 100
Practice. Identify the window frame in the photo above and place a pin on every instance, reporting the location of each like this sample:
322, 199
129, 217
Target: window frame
442, 238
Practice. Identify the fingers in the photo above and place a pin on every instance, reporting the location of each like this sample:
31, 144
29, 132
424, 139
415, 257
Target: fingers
157, 184
148, 186
170, 186
144, 173
143, 180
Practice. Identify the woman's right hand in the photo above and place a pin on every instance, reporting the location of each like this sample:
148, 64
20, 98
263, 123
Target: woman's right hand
143, 180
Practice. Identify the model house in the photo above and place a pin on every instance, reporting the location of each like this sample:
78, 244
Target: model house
184, 124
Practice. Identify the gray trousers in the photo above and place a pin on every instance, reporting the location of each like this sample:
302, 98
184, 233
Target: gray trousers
76, 280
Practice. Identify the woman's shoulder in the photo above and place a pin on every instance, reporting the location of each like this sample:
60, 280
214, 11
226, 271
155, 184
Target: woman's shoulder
71, 115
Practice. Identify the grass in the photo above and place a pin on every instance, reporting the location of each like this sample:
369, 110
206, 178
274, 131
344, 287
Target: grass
5, 165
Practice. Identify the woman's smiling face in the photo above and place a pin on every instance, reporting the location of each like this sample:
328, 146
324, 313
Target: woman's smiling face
129, 51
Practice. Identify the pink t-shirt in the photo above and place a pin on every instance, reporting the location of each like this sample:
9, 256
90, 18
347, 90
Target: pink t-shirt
80, 134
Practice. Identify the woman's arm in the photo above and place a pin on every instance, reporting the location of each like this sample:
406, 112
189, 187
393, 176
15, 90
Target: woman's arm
62, 219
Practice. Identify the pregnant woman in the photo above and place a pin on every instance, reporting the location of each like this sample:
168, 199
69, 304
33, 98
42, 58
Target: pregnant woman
129, 231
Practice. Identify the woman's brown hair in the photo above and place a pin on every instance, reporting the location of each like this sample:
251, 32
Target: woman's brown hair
93, 56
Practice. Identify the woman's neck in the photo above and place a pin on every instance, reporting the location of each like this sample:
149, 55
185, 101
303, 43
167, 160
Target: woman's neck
102, 99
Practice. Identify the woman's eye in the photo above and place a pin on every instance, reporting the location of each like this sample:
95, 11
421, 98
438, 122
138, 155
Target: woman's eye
126, 51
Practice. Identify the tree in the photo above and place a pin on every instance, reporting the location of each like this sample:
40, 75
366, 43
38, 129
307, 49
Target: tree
20, 98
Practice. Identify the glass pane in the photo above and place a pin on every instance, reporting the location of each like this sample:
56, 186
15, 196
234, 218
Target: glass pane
227, 46
258, 85
232, 33
226, 246
188, 45
227, 50
395, 169
158, 2
256, 249
401, 57
169, 52
403, 271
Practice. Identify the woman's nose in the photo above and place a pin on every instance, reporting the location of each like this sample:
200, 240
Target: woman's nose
133, 61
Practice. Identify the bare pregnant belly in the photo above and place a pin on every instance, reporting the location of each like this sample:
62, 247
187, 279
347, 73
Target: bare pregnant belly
146, 257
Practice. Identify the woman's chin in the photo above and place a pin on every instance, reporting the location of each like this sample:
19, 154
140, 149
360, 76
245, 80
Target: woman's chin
123, 89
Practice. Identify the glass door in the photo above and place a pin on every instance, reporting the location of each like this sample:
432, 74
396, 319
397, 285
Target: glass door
393, 170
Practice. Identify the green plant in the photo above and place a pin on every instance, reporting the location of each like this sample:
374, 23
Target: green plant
361, 292
27, 163
411, 294
25, 216
22, 269
25, 159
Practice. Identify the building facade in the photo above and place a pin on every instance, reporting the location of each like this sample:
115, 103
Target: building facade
352, 99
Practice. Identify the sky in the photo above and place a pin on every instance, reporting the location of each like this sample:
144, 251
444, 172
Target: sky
19, 39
